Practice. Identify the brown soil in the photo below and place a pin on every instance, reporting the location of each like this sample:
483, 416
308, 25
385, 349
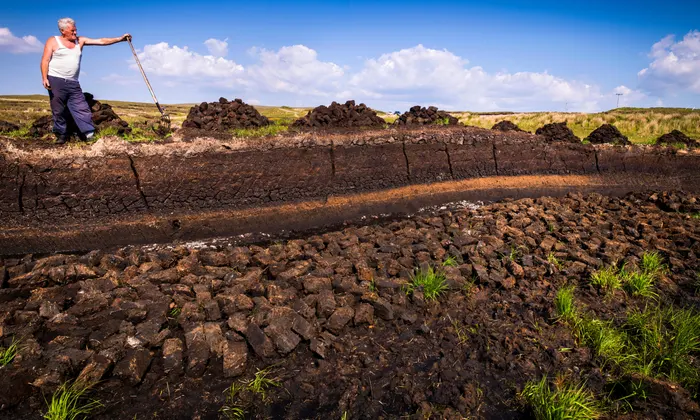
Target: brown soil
223, 116
676, 137
114, 193
506, 126
607, 133
329, 308
418, 115
6, 127
558, 132
340, 116
103, 117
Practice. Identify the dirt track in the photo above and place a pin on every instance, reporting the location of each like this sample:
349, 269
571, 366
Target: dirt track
78, 199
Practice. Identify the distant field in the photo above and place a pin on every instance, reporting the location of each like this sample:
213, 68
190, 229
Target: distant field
24, 109
641, 125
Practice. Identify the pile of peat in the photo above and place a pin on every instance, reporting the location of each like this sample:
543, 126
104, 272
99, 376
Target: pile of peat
506, 126
224, 115
677, 137
6, 127
340, 116
103, 117
168, 329
607, 133
418, 115
558, 132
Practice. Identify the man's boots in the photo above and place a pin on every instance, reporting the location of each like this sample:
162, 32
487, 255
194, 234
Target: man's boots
61, 138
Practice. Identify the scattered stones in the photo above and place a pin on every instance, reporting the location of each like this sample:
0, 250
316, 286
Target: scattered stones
607, 133
260, 343
94, 370
340, 319
557, 132
340, 116
418, 115
224, 116
235, 358
172, 356
134, 365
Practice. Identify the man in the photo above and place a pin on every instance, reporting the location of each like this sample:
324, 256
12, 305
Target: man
60, 68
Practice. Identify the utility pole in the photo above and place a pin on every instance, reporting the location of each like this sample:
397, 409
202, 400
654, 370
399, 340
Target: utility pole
618, 99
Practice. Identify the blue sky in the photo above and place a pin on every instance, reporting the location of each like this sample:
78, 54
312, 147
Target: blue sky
481, 56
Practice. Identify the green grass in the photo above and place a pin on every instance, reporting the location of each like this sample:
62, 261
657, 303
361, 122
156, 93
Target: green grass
261, 383
71, 402
7, 355
268, 130
640, 284
450, 262
552, 259
231, 410
19, 133
174, 312
666, 342
607, 279
604, 339
564, 402
107, 132
657, 342
258, 386
564, 304
442, 121
652, 263
430, 281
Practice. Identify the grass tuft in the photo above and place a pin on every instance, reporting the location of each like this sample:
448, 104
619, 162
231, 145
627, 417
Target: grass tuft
652, 264
604, 339
607, 279
71, 402
564, 304
7, 355
640, 283
432, 282
261, 383
450, 262
268, 130
564, 402
552, 259
231, 410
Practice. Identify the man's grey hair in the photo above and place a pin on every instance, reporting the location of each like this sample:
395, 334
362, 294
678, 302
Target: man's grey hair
63, 23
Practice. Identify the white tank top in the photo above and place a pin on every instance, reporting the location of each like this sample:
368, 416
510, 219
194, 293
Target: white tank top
65, 62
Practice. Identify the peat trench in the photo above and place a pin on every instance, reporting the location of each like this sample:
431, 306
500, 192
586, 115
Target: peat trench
113, 194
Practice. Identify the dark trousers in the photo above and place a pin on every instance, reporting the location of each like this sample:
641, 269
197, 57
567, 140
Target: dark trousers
67, 100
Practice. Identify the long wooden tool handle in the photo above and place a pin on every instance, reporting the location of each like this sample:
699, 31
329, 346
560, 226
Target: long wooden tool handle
150, 89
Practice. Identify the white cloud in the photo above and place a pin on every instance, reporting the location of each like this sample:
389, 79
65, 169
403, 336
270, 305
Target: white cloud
416, 75
217, 47
294, 69
444, 78
163, 60
12, 44
676, 66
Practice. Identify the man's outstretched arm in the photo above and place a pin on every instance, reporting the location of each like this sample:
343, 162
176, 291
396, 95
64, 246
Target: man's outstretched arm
103, 41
